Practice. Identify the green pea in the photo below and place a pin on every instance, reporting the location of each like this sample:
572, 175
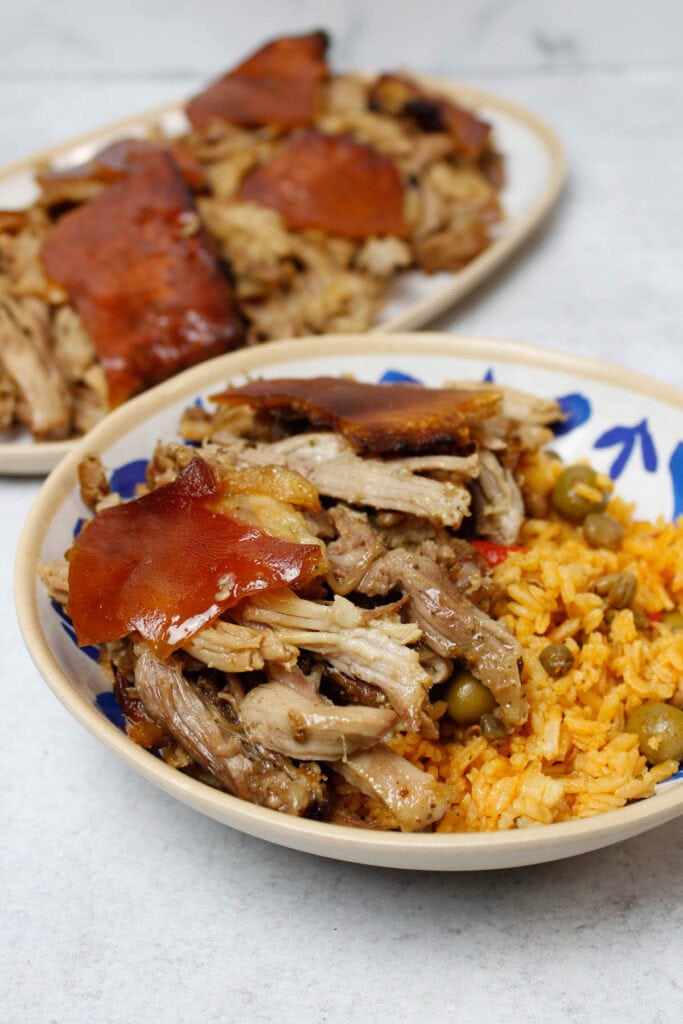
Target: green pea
673, 620
567, 502
556, 659
468, 699
659, 728
602, 531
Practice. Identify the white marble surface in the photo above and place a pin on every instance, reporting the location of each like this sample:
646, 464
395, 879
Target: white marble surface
118, 904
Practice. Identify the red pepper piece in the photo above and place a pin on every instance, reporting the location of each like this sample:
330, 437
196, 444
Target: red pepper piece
277, 85
168, 564
494, 553
331, 183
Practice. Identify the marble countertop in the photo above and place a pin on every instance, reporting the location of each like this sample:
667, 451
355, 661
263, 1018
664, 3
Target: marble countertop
119, 903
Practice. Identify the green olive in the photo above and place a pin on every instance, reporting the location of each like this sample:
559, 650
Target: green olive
556, 659
602, 531
617, 588
673, 620
659, 728
567, 502
468, 699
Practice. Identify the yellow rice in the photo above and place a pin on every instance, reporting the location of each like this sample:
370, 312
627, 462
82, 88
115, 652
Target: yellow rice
572, 759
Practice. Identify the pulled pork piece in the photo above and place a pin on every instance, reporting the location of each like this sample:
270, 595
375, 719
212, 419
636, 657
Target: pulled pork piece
280, 85
20, 264
292, 282
263, 254
455, 207
55, 578
465, 567
76, 353
198, 424
453, 247
44, 404
357, 546
9, 397
383, 257
348, 690
414, 797
329, 462
308, 728
453, 626
400, 95
355, 643
452, 198
229, 647
521, 422
498, 502
245, 769
139, 726
92, 480
88, 408
406, 419
321, 300
144, 278
521, 406
469, 572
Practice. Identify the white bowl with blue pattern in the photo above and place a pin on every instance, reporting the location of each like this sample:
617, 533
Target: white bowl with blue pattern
627, 425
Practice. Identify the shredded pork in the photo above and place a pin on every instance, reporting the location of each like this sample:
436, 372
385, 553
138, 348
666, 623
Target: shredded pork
414, 798
329, 462
245, 768
295, 699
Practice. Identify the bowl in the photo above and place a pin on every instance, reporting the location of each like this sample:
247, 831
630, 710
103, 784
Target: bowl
627, 424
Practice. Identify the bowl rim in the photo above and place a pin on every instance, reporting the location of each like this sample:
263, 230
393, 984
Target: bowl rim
429, 850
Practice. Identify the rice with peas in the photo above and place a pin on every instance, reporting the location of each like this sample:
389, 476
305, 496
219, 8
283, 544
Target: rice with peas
572, 759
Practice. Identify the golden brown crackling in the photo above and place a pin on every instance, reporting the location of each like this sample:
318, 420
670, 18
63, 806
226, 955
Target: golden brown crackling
332, 183
375, 418
116, 161
149, 292
280, 84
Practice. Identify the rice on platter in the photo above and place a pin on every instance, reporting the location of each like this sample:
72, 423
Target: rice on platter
385, 606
